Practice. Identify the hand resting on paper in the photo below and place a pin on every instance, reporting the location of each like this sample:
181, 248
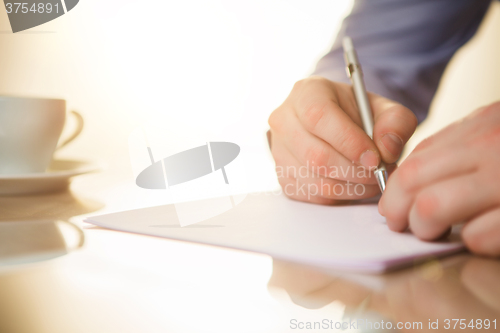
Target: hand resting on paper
321, 151
451, 177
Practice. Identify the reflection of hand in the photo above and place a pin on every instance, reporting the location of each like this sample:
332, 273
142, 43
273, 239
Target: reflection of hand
312, 288
318, 128
480, 276
451, 177
468, 293
465, 290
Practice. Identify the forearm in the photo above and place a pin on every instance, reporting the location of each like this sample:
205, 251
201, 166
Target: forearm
404, 46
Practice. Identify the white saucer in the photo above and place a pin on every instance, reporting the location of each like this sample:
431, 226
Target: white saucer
56, 178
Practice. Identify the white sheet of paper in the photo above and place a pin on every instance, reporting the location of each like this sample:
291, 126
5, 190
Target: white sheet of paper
351, 237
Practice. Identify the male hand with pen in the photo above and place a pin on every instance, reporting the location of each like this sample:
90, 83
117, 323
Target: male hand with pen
450, 178
319, 127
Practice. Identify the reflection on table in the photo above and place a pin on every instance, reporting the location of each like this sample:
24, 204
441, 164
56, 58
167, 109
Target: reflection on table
433, 293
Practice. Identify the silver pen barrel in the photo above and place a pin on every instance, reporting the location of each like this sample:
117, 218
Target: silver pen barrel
353, 69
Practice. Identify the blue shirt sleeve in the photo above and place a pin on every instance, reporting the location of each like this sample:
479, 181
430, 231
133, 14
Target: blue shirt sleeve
404, 45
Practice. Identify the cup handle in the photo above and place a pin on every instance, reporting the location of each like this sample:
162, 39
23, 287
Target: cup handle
76, 132
81, 234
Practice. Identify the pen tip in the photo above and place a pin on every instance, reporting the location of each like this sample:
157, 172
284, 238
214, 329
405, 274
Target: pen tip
347, 44
381, 175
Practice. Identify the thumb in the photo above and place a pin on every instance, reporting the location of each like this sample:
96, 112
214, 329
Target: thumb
394, 125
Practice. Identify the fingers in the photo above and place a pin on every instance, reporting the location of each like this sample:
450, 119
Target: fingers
318, 110
317, 155
425, 168
482, 233
394, 125
421, 169
302, 184
431, 210
446, 203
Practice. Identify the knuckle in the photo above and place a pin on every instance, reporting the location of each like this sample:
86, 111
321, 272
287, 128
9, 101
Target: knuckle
299, 84
412, 119
312, 80
403, 119
275, 120
318, 80
409, 117
409, 120
348, 142
312, 114
318, 156
408, 173
309, 82
427, 205
398, 110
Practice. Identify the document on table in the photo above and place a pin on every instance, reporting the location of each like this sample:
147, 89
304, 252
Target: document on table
349, 237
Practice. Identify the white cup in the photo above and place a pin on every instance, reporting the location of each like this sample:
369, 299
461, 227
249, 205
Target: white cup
29, 131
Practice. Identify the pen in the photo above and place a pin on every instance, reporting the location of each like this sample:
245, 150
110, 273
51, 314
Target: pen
354, 72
